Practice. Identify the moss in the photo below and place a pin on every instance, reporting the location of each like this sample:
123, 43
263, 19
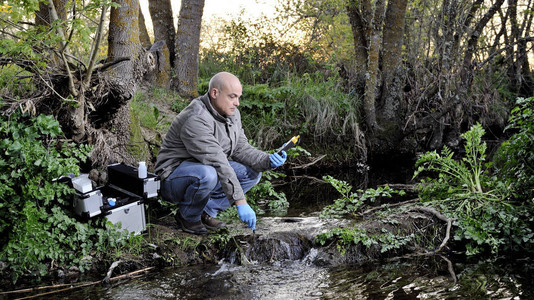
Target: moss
136, 145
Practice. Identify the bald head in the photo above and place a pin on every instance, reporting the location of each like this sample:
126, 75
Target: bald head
221, 80
224, 91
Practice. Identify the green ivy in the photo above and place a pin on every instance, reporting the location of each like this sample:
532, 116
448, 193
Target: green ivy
37, 228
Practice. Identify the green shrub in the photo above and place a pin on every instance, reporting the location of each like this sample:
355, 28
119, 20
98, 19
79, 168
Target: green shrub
350, 201
264, 191
463, 190
345, 237
514, 161
465, 182
37, 228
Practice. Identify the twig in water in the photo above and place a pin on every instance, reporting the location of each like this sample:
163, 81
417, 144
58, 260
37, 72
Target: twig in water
110, 271
130, 275
450, 268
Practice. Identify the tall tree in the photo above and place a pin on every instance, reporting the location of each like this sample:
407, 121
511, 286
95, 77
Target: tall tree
393, 103
377, 32
187, 47
163, 24
123, 41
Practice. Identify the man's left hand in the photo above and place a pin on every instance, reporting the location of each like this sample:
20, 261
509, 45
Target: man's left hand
278, 159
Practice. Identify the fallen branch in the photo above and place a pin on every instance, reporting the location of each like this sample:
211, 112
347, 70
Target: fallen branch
133, 274
110, 271
310, 164
35, 289
390, 205
450, 268
312, 178
441, 217
62, 290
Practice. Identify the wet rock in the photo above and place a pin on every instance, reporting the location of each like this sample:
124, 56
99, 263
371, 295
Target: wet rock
278, 246
307, 227
278, 239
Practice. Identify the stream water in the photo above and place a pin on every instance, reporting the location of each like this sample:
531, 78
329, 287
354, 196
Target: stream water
407, 278
301, 277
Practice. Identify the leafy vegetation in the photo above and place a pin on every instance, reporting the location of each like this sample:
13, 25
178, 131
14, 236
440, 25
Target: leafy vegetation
465, 183
345, 237
350, 201
488, 202
264, 191
514, 162
487, 220
37, 230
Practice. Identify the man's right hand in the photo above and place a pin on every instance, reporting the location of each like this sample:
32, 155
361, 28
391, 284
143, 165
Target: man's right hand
247, 215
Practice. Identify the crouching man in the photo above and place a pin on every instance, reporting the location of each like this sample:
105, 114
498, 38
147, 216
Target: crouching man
206, 163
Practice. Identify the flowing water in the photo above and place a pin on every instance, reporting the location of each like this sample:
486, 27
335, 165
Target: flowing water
406, 278
293, 270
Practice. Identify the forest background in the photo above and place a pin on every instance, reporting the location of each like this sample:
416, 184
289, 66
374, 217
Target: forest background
84, 85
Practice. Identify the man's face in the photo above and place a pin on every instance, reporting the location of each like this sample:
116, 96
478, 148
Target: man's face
226, 99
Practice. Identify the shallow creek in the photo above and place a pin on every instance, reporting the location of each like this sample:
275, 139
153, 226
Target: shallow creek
406, 278
291, 268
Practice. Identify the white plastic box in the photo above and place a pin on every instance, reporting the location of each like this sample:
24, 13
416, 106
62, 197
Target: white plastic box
89, 204
82, 183
131, 216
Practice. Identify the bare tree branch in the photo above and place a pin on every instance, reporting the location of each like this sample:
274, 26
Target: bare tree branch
96, 45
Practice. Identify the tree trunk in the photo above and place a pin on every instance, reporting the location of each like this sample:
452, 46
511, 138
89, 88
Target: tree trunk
122, 79
42, 17
361, 44
109, 122
187, 46
366, 20
123, 41
371, 83
161, 75
163, 24
392, 45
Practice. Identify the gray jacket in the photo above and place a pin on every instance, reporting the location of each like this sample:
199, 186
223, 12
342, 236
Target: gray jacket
200, 133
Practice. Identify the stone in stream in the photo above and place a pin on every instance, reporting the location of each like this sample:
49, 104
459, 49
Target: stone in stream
278, 238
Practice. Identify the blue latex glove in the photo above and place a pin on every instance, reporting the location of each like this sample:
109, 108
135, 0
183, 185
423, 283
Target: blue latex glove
247, 215
277, 160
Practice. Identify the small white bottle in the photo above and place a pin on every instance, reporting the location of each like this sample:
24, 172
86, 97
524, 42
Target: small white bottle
141, 170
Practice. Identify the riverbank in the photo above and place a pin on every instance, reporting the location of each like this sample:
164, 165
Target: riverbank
165, 245
235, 262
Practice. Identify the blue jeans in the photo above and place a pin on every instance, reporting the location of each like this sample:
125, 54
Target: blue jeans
195, 187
